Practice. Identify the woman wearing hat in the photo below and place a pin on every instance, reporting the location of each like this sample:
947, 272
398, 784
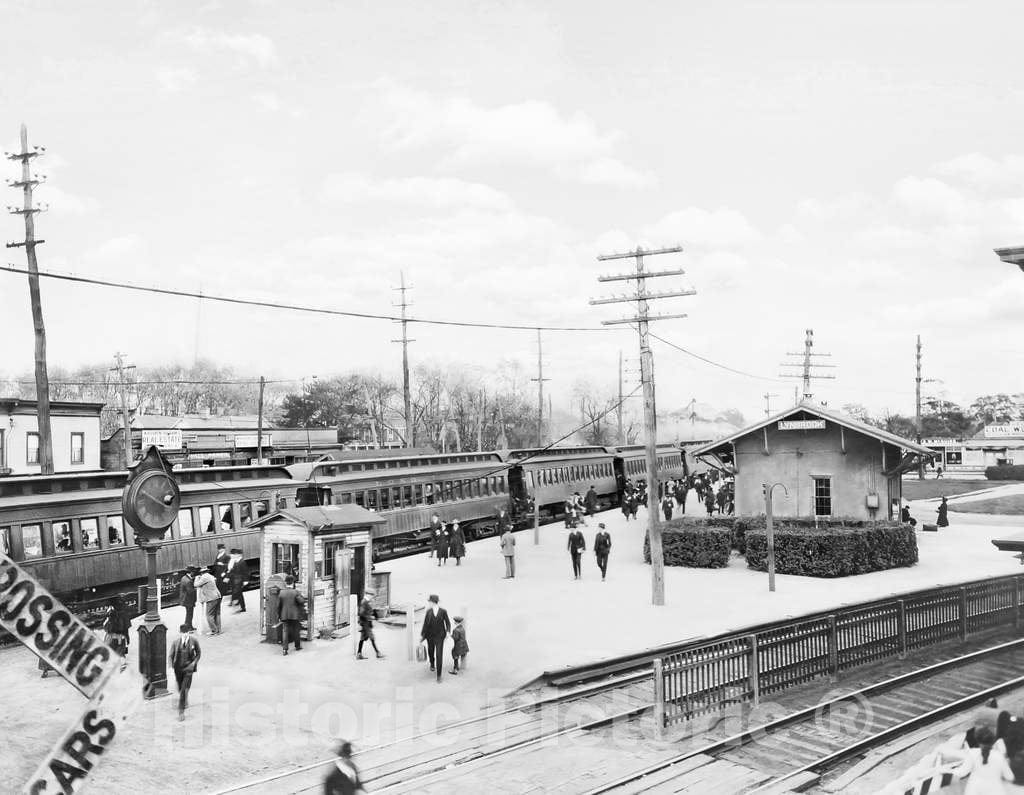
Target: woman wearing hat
457, 542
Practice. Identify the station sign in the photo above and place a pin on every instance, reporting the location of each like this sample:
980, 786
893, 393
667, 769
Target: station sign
76, 754
52, 632
164, 440
1002, 431
801, 425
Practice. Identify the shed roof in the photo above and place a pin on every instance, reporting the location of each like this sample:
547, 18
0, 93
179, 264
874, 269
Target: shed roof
820, 411
316, 516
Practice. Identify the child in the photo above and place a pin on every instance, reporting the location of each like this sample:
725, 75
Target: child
460, 648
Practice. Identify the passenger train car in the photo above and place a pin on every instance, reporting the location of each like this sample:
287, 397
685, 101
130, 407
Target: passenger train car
67, 529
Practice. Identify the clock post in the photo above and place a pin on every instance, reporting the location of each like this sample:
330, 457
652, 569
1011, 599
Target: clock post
150, 502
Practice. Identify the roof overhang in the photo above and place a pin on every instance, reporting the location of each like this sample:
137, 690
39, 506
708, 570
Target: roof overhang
1013, 255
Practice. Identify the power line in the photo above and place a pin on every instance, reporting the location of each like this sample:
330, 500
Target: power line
247, 382
712, 362
67, 277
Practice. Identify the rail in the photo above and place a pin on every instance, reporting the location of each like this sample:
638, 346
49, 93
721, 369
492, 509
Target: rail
743, 668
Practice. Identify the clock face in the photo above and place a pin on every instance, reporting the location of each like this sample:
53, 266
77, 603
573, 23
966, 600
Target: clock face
151, 501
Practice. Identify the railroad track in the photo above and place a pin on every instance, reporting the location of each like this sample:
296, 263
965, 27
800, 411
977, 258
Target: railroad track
792, 752
409, 764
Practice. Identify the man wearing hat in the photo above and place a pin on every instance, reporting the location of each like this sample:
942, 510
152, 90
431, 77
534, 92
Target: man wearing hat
184, 659
436, 626
187, 595
238, 575
209, 596
602, 546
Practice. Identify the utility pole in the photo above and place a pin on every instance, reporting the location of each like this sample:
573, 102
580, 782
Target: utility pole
917, 412
768, 403
540, 379
618, 410
259, 423
129, 456
410, 424
27, 183
642, 318
806, 373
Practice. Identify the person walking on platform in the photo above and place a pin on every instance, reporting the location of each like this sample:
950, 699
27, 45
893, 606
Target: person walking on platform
590, 501
503, 522
709, 501
457, 542
366, 617
184, 659
209, 596
459, 646
569, 507
577, 546
238, 575
579, 509
942, 510
508, 549
219, 567
436, 626
290, 612
667, 504
435, 534
681, 492
344, 776
187, 595
443, 542
602, 546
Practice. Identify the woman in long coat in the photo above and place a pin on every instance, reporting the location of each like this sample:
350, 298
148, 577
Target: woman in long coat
443, 546
457, 543
943, 520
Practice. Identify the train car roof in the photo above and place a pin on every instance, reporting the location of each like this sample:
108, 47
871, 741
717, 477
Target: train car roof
548, 453
308, 470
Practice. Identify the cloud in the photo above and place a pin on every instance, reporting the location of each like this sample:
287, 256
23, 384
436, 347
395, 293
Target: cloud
435, 193
174, 80
530, 132
982, 171
61, 201
710, 229
251, 47
930, 197
267, 100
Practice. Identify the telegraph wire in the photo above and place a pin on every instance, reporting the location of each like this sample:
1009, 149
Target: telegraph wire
292, 307
714, 363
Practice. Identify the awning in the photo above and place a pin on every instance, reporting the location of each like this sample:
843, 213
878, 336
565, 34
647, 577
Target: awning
908, 463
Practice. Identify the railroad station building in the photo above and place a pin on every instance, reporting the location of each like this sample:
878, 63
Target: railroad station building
75, 434
831, 465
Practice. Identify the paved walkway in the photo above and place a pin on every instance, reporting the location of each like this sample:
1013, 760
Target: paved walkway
256, 711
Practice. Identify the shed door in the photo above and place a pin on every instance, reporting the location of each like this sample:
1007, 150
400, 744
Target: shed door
342, 585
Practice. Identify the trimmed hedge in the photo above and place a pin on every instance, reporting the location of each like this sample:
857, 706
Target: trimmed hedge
695, 542
1005, 472
833, 549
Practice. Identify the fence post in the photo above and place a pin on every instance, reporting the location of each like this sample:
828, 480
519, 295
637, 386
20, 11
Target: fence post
1016, 601
410, 631
753, 670
659, 698
833, 648
901, 628
963, 614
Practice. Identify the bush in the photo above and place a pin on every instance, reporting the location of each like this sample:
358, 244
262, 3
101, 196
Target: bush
697, 543
833, 548
1005, 472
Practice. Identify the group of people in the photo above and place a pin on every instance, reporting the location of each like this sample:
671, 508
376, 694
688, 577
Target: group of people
446, 541
942, 520
602, 548
577, 508
207, 585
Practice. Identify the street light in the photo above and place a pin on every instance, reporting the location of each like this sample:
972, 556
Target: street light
770, 529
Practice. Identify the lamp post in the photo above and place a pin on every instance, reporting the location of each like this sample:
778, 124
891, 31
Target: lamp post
770, 530
150, 502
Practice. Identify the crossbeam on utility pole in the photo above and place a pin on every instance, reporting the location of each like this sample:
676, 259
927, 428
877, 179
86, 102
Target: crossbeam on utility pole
768, 403
806, 373
641, 297
540, 379
28, 210
410, 422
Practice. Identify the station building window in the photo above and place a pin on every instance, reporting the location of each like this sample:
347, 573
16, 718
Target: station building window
62, 536
32, 540
115, 531
90, 534
330, 547
285, 559
822, 496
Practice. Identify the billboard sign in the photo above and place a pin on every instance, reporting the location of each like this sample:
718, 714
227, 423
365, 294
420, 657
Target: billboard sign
1002, 431
251, 440
164, 440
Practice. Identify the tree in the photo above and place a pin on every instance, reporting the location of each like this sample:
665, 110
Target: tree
900, 425
858, 412
1001, 408
596, 413
339, 402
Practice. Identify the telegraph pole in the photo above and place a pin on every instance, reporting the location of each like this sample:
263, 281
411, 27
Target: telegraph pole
642, 318
768, 403
27, 183
618, 410
806, 373
259, 423
128, 452
540, 379
410, 425
917, 412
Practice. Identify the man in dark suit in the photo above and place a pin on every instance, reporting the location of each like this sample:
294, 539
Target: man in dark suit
238, 575
184, 659
602, 546
187, 594
436, 526
577, 546
436, 626
219, 568
291, 610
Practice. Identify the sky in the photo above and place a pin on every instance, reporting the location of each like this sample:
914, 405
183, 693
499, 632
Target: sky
841, 166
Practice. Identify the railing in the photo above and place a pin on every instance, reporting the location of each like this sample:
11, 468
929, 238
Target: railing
746, 667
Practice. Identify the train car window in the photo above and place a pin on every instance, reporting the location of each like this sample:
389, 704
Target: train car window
396, 497
185, 527
62, 542
360, 498
206, 521
346, 498
446, 491
284, 559
417, 494
458, 490
227, 517
32, 540
262, 508
5, 540
407, 501
428, 493
245, 513
115, 531
385, 499
371, 499
90, 534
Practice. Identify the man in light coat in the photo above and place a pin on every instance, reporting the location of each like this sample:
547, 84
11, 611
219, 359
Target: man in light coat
508, 549
209, 596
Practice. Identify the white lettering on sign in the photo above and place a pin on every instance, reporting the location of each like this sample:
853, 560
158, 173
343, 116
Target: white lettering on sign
165, 440
53, 633
1001, 431
801, 425
252, 439
77, 753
